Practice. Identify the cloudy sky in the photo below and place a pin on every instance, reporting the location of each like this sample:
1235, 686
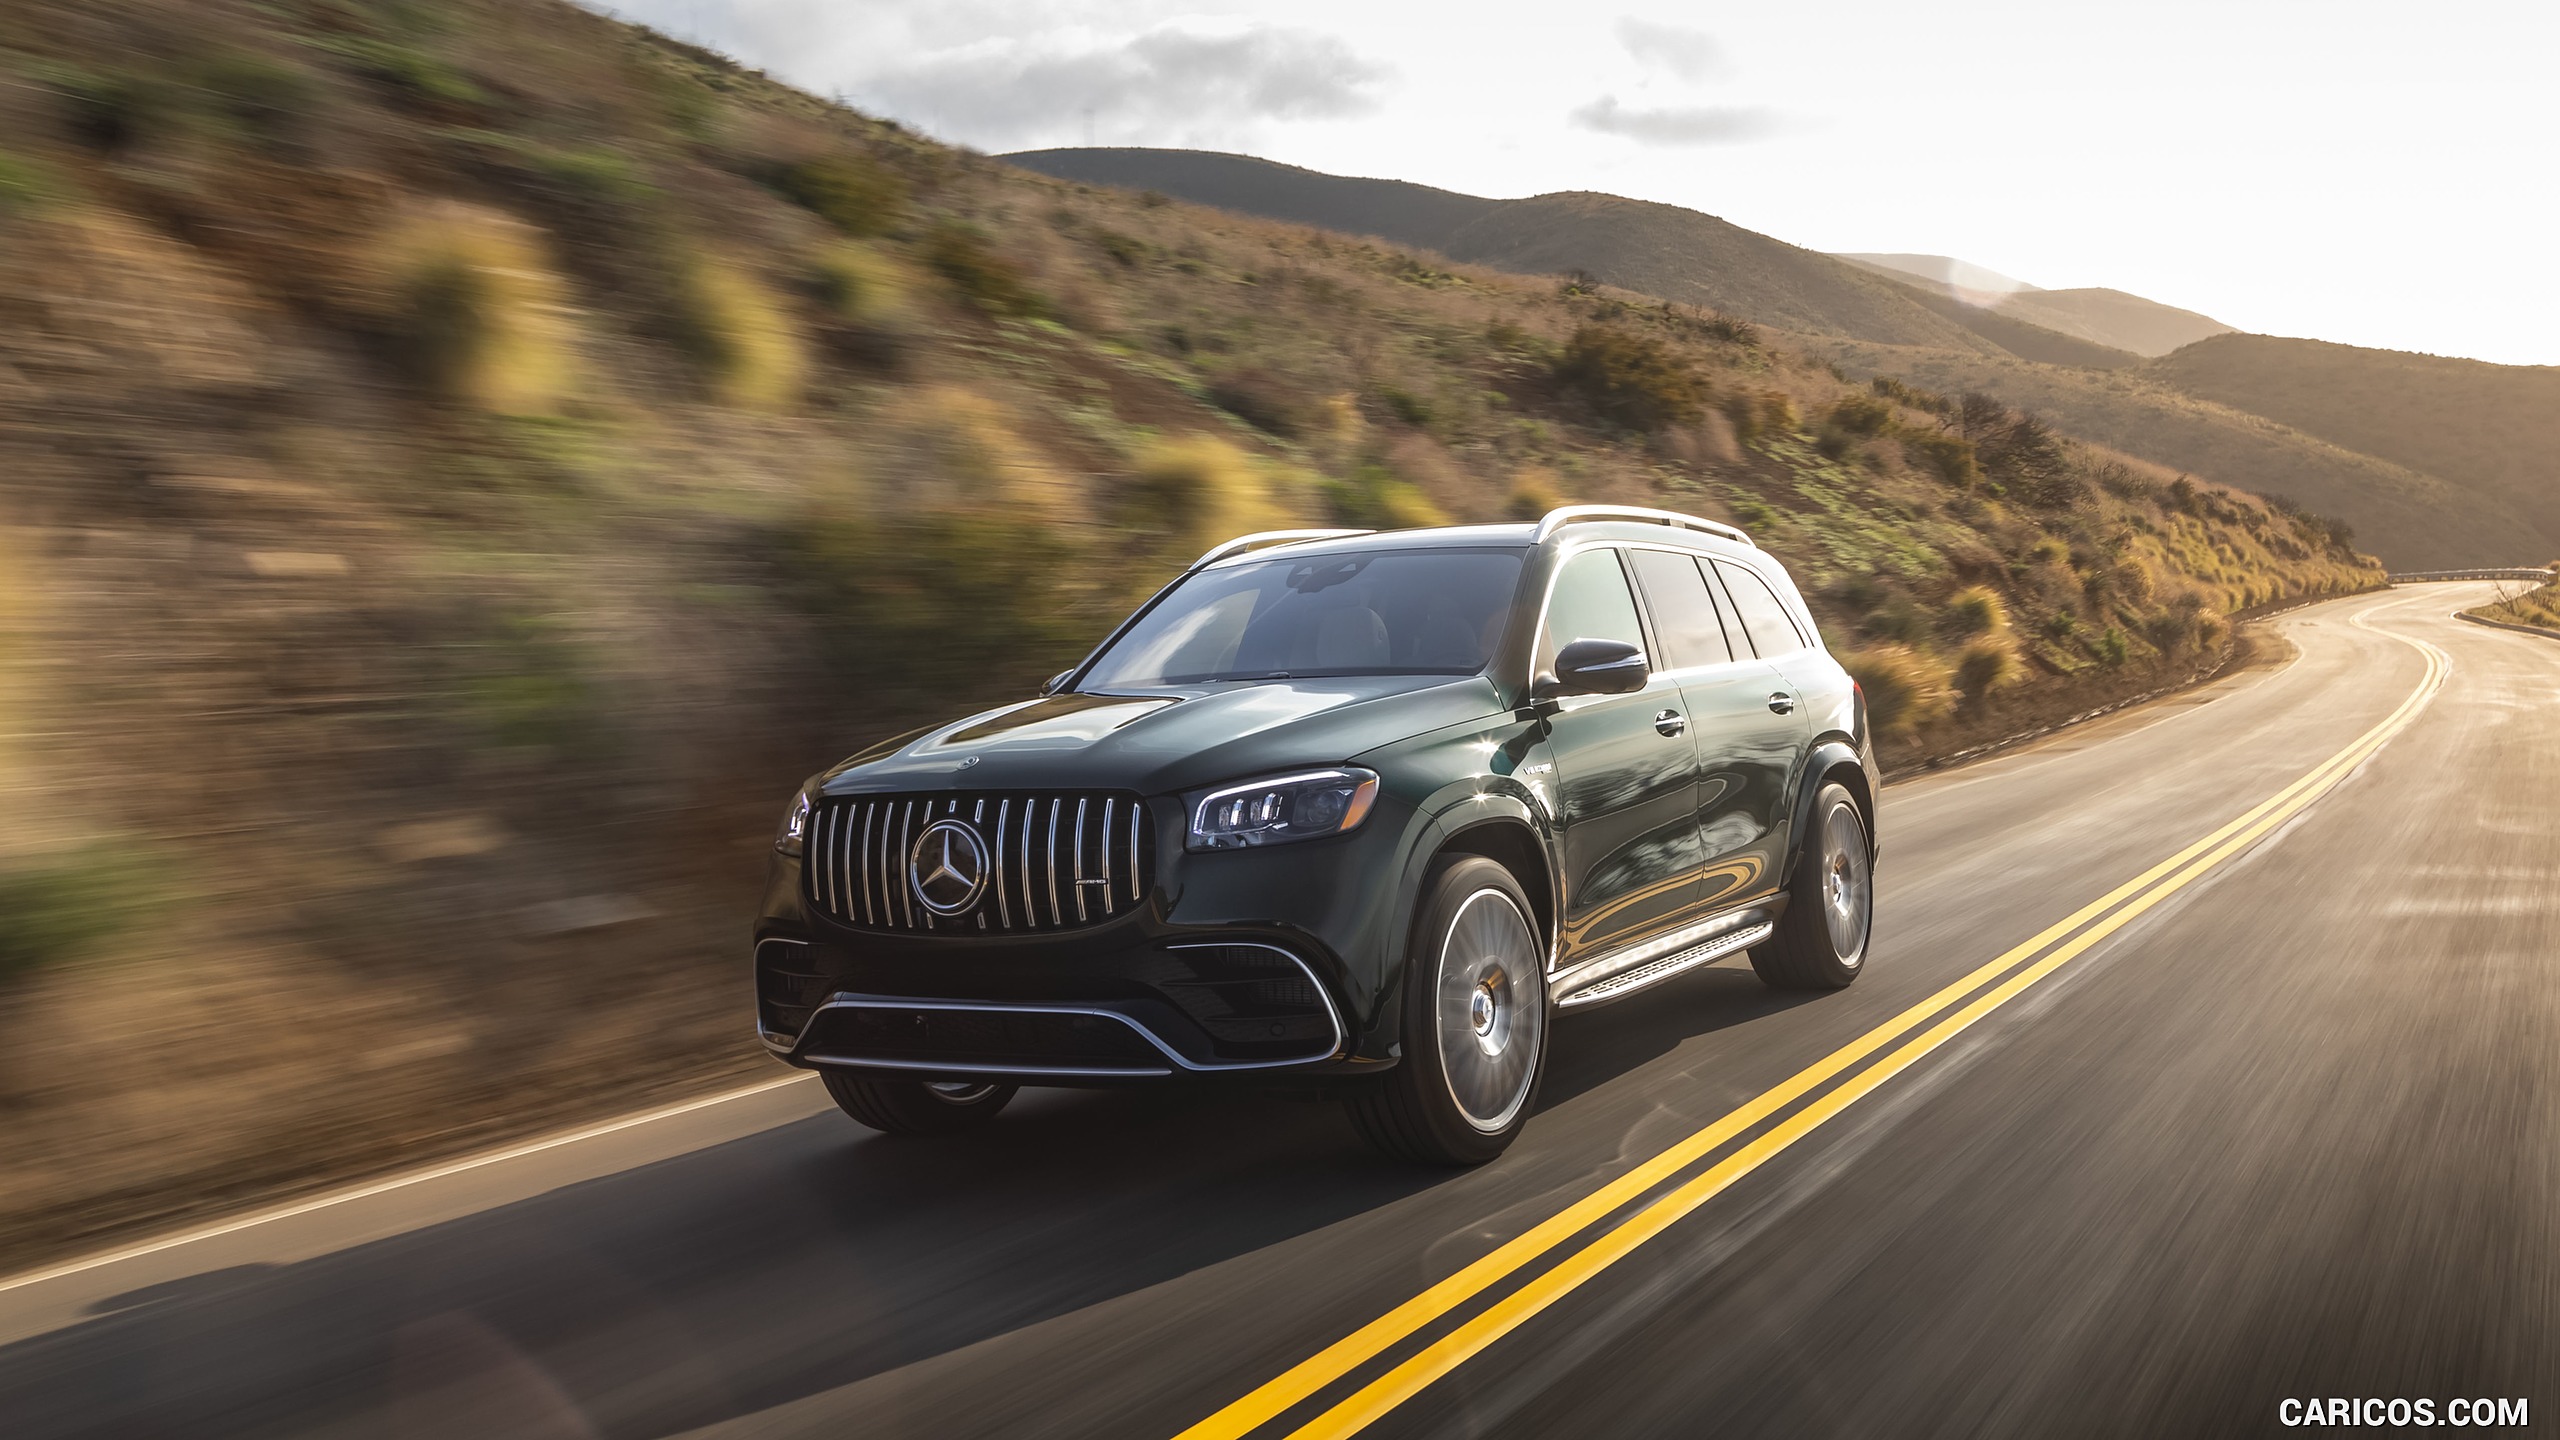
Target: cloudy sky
2380, 175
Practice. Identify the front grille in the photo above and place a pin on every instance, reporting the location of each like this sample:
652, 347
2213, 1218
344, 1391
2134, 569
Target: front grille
1057, 860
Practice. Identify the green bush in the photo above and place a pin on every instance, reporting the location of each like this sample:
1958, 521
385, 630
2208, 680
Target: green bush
994, 284
1949, 457
1731, 330
2112, 647
107, 110
414, 73
1899, 619
1197, 492
56, 912
1631, 379
855, 195
1901, 393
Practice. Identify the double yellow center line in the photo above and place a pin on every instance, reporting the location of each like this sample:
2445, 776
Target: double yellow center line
2014, 972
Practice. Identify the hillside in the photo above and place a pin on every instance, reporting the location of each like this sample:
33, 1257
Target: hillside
463, 461
2056, 352
2109, 318
2413, 519
1661, 250
2491, 429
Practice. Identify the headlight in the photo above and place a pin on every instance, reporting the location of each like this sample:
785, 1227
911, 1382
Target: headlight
795, 826
1280, 809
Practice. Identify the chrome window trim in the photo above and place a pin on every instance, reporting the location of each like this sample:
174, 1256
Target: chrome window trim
1556, 520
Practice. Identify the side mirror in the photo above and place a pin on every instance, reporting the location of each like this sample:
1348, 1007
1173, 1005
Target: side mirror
1595, 667
1051, 688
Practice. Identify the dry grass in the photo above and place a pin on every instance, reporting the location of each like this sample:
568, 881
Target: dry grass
483, 755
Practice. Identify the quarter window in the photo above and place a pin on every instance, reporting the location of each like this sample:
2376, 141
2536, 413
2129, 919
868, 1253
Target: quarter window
1590, 602
1684, 611
1772, 632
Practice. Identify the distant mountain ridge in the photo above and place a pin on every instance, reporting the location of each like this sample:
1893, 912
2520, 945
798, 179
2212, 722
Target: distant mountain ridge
1665, 250
2102, 317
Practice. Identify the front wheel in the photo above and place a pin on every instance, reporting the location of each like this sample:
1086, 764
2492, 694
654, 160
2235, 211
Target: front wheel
1821, 942
1475, 1023
916, 1107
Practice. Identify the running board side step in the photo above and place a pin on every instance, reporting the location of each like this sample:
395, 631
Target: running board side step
1627, 982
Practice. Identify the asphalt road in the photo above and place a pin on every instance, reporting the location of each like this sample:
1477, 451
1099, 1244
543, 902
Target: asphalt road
2276, 1122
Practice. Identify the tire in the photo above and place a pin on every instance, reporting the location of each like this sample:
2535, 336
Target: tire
1474, 1041
916, 1107
1821, 940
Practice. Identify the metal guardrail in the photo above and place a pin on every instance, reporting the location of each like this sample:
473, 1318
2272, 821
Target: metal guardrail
2423, 576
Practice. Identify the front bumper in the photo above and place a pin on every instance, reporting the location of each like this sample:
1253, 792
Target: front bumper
1238, 963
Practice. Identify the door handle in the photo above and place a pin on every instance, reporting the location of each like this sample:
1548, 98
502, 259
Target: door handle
1669, 722
1782, 703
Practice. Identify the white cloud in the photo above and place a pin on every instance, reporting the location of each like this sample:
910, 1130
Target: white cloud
1672, 125
1691, 55
1166, 81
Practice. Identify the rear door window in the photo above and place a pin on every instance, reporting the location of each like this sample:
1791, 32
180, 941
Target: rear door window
1772, 631
1684, 609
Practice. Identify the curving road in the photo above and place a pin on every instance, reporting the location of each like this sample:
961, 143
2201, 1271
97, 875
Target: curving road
2208, 1058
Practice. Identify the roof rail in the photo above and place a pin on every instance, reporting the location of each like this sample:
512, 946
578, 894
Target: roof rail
1256, 541
1576, 514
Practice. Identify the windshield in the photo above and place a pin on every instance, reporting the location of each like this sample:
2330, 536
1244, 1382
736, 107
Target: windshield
1378, 612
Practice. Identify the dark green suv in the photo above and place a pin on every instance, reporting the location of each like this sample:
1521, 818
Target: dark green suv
1364, 808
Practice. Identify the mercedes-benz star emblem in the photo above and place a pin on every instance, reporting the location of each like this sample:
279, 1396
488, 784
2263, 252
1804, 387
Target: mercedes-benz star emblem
948, 867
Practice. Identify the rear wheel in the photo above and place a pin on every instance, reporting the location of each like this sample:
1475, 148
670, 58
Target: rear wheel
1474, 1038
916, 1107
1821, 942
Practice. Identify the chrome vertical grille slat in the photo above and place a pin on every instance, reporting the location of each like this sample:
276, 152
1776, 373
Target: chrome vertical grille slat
1040, 848
1108, 805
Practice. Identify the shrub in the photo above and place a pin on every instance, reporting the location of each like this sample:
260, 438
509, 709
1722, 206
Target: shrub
2061, 627
1899, 619
1987, 664
851, 193
412, 72
1905, 688
1406, 406
1901, 393
988, 280
859, 285
1533, 494
1778, 413
1731, 330
57, 912
269, 99
480, 310
1631, 379
1372, 496
1127, 251
1976, 610
2112, 647
739, 336
106, 110
23, 190
1199, 491
1261, 400
1860, 415
1950, 457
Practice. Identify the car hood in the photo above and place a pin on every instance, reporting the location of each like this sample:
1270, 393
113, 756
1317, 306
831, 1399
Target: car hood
1168, 739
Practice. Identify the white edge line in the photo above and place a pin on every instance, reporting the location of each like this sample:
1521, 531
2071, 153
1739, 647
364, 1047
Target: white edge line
395, 1182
